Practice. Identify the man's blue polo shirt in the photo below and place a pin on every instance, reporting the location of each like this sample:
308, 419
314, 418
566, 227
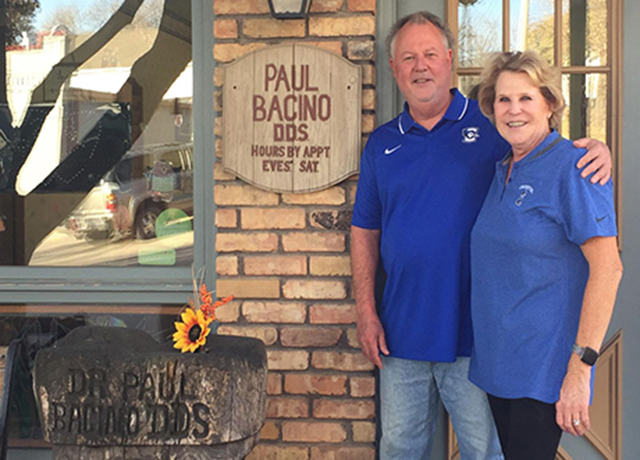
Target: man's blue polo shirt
423, 190
529, 273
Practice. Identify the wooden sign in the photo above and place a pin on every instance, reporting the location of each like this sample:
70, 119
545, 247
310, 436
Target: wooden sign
292, 118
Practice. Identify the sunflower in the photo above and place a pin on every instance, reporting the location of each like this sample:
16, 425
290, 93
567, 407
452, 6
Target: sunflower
191, 333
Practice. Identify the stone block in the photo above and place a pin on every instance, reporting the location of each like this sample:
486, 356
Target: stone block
103, 387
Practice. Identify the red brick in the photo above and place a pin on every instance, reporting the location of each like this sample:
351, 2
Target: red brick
361, 5
274, 312
227, 265
276, 218
341, 361
246, 242
304, 289
363, 431
369, 99
274, 383
228, 313
362, 387
342, 453
368, 122
273, 28
361, 50
274, 452
325, 6
325, 26
355, 409
287, 360
243, 195
221, 7
331, 196
368, 77
332, 314
287, 407
352, 338
309, 337
220, 174
226, 218
313, 242
225, 28
268, 335
248, 288
275, 265
227, 52
330, 265
320, 384
313, 432
270, 430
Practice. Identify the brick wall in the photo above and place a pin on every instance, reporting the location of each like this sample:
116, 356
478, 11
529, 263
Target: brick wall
285, 256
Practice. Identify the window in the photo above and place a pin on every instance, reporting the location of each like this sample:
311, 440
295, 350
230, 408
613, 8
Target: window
581, 37
102, 163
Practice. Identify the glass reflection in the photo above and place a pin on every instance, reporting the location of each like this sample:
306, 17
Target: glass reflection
479, 31
587, 106
96, 154
584, 32
532, 27
468, 85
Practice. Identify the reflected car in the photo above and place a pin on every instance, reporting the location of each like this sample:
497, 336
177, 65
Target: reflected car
131, 196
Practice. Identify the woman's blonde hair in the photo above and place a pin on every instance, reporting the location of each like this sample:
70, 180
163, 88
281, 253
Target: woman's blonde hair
543, 75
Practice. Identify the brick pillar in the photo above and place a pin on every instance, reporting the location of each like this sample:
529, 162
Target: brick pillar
286, 256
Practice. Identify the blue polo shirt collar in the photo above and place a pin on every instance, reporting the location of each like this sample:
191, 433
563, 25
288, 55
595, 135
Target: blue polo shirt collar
456, 110
542, 148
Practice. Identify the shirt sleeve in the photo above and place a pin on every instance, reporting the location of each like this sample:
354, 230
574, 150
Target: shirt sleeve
587, 209
367, 210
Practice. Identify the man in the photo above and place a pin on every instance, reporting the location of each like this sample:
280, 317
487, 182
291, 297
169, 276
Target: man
423, 179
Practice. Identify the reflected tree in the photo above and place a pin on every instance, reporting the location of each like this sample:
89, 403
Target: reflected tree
118, 126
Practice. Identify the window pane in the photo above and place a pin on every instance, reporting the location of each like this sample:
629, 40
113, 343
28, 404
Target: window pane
586, 112
96, 144
467, 85
584, 32
479, 30
532, 27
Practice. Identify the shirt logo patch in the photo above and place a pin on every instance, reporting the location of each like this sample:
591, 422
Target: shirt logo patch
388, 151
524, 191
470, 134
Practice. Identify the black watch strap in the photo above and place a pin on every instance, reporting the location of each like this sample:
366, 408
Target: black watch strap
587, 354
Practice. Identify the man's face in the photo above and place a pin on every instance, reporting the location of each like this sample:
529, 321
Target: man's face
421, 64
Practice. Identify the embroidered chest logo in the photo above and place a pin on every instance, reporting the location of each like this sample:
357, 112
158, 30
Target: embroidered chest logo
470, 134
525, 190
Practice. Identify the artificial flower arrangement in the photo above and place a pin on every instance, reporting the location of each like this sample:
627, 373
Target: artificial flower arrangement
194, 327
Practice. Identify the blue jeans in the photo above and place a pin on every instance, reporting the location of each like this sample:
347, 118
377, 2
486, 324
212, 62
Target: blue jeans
409, 393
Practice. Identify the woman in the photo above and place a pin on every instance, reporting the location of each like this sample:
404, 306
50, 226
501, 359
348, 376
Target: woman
545, 266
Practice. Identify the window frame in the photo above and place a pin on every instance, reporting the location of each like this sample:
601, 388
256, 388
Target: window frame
143, 285
613, 70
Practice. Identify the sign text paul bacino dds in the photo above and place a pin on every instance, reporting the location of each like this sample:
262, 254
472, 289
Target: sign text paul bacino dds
292, 118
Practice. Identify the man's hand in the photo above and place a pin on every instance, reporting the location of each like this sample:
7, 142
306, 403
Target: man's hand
597, 160
371, 339
573, 404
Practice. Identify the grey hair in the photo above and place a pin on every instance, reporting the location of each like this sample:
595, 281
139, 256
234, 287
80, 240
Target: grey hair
421, 17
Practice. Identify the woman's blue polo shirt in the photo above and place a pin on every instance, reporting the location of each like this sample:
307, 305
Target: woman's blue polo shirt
529, 273
423, 190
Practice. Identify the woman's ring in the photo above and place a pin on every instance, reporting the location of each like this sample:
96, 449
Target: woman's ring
576, 422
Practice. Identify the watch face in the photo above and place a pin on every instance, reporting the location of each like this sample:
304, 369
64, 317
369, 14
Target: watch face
589, 356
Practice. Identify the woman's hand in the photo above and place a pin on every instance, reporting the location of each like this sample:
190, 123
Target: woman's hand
573, 404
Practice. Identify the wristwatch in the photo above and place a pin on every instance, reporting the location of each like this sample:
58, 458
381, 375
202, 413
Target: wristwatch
587, 355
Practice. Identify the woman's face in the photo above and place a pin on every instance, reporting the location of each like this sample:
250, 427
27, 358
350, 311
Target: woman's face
521, 112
